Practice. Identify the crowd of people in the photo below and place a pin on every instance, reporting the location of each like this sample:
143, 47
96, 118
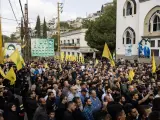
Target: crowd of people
52, 90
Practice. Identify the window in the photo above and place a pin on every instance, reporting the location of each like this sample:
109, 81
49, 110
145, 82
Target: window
156, 23
156, 52
72, 53
128, 38
68, 41
64, 53
153, 43
72, 41
123, 12
61, 42
129, 9
123, 40
158, 43
64, 41
68, 53
78, 41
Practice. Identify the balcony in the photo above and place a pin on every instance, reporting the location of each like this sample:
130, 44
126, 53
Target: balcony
86, 50
70, 45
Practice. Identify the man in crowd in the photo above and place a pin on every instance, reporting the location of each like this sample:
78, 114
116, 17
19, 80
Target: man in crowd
88, 109
70, 109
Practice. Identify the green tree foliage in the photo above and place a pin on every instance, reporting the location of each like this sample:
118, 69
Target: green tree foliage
38, 27
86, 23
6, 38
103, 29
13, 37
55, 37
44, 29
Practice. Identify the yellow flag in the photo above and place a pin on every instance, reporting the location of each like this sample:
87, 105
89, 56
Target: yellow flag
76, 58
22, 61
23, 46
15, 57
46, 65
107, 54
82, 59
131, 74
1, 51
96, 63
2, 73
11, 76
62, 56
153, 64
60, 67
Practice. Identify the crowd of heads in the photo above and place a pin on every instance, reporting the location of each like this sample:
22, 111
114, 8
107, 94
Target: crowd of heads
54, 90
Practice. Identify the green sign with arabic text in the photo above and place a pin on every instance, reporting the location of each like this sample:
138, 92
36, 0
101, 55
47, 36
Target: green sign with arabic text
42, 47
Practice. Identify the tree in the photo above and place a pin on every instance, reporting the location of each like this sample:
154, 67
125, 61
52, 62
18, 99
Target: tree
13, 37
38, 27
22, 29
6, 38
86, 23
55, 37
103, 30
44, 29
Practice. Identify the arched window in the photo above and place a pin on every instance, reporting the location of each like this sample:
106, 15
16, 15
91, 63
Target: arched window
129, 36
156, 23
129, 9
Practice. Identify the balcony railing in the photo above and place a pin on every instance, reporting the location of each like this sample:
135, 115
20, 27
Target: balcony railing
70, 45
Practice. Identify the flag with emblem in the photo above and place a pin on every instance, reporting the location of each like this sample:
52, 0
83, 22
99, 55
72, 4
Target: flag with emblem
107, 54
2, 73
11, 76
15, 57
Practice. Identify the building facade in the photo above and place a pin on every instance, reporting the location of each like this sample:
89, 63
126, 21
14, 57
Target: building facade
138, 28
73, 43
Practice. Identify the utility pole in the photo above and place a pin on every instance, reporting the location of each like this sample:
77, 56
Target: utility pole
59, 9
27, 39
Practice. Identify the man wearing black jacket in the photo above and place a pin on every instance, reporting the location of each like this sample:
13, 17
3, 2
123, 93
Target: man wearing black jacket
77, 114
51, 103
31, 105
68, 115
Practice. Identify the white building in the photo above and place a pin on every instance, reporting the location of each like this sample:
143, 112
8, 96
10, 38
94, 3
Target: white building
137, 20
73, 43
77, 23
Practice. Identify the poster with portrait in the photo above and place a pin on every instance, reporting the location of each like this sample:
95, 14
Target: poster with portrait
11, 47
42, 47
144, 49
128, 50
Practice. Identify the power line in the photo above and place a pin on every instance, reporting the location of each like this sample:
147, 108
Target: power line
13, 12
21, 9
9, 19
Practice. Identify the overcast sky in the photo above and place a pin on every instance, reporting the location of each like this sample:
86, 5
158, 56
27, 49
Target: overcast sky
47, 9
